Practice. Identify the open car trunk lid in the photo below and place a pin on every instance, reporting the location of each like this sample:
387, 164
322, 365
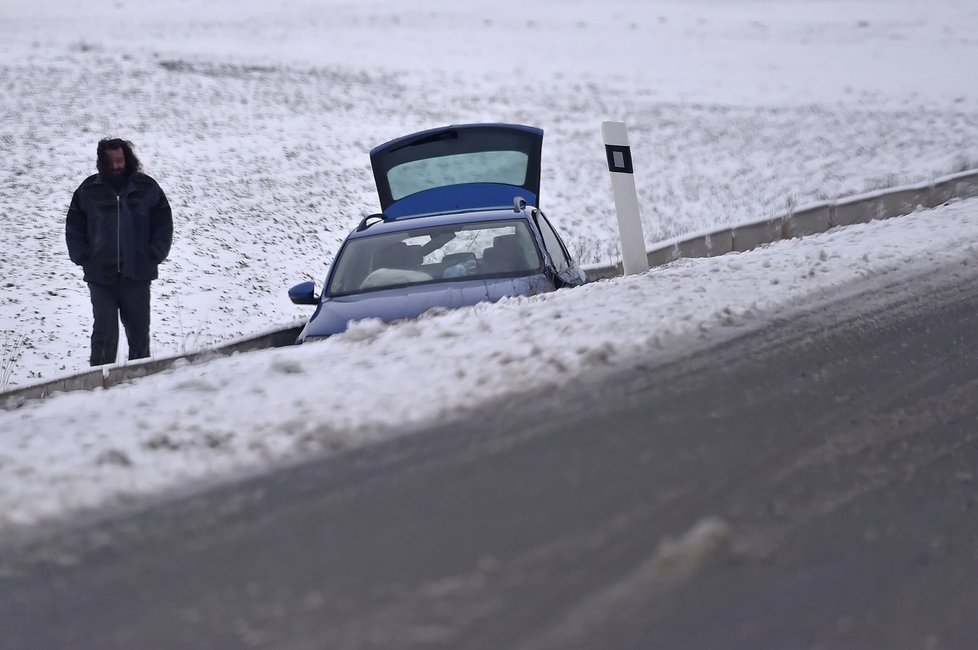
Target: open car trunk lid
458, 168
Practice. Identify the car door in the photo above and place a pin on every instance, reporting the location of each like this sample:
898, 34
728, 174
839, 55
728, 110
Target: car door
565, 268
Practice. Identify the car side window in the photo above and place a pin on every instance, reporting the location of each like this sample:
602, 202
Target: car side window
555, 247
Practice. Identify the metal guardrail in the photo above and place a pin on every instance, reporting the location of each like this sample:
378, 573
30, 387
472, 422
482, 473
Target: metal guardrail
799, 222
108, 376
806, 220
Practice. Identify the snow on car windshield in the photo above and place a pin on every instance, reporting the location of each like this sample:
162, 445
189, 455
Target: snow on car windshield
506, 167
435, 254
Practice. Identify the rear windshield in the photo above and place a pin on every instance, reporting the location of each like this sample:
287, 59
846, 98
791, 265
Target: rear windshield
437, 254
506, 167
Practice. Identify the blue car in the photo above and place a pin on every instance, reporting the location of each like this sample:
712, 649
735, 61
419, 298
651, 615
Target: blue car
458, 226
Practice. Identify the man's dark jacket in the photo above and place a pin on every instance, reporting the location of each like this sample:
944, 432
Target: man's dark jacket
125, 233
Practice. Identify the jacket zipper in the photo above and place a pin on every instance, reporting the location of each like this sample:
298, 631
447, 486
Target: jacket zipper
118, 235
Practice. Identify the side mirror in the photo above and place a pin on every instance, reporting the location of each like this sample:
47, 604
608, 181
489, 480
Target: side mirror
304, 293
571, 277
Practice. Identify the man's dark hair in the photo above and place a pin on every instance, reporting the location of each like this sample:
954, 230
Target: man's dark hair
102, 162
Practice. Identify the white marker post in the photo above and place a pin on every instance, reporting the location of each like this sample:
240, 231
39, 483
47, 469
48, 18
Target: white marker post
633, 256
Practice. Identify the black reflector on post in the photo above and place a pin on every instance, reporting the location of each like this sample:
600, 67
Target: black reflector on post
619, 158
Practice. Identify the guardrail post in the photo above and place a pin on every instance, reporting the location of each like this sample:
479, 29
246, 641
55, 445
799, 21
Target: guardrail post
633, 256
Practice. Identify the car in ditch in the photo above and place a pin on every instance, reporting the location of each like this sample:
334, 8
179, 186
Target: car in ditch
459, 225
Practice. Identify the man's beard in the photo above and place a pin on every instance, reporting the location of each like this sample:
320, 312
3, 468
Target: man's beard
117, 178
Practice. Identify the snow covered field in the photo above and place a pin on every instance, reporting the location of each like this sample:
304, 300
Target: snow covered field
256, 118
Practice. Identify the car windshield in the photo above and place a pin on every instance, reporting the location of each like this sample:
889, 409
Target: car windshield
435, 254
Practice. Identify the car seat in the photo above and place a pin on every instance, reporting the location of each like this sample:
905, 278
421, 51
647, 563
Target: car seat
455, 265
504, 256
398, 256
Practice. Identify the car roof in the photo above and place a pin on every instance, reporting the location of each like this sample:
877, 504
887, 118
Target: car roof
427, 221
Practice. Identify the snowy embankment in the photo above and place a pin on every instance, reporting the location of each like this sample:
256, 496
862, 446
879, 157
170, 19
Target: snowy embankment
207, 422
257, 119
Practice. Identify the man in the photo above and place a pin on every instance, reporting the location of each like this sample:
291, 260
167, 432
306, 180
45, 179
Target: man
119, 228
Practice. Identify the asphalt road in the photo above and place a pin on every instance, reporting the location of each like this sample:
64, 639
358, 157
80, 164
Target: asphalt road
810, 484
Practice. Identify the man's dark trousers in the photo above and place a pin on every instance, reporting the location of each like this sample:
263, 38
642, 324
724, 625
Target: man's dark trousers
128, 299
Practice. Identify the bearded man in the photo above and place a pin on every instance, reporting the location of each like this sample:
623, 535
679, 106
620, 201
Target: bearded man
118, 229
